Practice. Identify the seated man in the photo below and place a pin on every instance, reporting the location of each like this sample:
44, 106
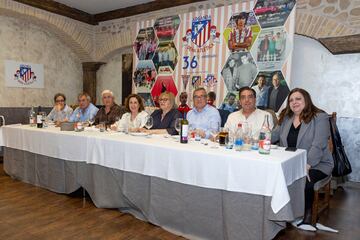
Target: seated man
248, 113
110, 112
183, 107
202, 116
86, 110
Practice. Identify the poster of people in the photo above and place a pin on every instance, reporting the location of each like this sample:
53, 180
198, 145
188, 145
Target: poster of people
273, 13
221, 49
271, 90
231, 102
147, 99
271, 48
166, 27
163, 83
165, 56
241, 31
239, 71
145, 44
144, 76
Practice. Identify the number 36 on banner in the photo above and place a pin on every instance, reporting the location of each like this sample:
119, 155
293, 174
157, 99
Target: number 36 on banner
192, 64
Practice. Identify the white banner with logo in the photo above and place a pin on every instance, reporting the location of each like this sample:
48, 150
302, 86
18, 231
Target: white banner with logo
24, 75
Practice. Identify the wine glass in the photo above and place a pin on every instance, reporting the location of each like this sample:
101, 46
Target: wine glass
149, 122
214, 130
91, 121
178, 124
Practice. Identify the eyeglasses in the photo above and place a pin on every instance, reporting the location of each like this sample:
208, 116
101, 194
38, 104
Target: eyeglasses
199, 97
247, 97
62, 100
163, 99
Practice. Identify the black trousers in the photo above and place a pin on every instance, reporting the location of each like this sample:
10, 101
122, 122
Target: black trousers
315, 176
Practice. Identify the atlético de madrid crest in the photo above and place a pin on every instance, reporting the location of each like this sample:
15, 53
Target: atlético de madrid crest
24, 75
201, 32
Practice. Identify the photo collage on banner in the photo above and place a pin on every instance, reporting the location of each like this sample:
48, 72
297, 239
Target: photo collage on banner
270, 51
221, 49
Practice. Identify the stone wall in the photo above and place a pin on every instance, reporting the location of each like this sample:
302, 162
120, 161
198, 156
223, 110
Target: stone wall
24, 41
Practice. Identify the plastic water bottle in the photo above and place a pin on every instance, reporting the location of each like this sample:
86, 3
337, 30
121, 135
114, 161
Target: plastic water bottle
239, 141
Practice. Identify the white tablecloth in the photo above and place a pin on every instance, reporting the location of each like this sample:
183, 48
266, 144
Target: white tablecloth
193, 163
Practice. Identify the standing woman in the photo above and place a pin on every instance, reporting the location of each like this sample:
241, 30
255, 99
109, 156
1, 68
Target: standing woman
303, 125
135, 116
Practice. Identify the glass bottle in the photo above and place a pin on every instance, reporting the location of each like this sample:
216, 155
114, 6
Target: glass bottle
265, 137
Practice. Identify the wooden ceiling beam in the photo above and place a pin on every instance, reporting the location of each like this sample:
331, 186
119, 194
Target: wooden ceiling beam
64, 10
61, 9
142, 8
342, 45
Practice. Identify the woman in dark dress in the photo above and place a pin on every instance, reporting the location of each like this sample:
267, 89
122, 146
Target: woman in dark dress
165, 117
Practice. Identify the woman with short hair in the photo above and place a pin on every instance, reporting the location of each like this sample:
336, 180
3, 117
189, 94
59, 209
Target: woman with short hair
60, 112
165, 117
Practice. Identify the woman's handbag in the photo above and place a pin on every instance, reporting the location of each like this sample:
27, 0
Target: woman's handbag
342, 166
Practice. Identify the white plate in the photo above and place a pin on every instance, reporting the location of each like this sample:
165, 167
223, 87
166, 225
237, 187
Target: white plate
138, 134
273, 146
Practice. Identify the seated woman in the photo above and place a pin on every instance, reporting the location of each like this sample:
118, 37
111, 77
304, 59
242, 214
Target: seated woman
135, 116
60, 112
110, 112
303, 125
165, 117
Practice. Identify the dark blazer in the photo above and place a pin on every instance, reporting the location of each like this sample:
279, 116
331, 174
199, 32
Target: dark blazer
168, 122
313, 137
282, 94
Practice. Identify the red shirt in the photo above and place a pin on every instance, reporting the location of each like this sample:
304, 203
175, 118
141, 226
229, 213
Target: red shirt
184, 109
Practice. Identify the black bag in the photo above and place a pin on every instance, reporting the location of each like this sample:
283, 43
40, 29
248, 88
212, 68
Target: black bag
342, 166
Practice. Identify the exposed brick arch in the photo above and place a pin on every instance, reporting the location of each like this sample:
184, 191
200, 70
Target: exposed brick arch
78, 36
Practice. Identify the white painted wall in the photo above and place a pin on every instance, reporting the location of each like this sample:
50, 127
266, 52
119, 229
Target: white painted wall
24, 41
109, 76
332, 80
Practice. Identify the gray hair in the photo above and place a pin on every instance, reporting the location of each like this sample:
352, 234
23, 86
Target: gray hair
107, 92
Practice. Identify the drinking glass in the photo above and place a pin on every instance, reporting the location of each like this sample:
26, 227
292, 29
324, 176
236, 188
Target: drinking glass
214, 130
102, 127
149, 122
91, 121
178, 124
246, 136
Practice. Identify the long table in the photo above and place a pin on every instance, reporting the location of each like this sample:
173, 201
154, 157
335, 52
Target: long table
191, 189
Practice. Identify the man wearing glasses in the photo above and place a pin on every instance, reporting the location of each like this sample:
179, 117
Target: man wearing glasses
248, 112
85, 111
61, 112
202, 115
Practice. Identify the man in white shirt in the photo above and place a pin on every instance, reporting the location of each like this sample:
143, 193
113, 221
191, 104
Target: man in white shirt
249, 113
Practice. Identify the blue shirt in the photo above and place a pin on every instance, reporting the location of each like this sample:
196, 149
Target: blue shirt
228, 107
201, 120
261, 96
80, 115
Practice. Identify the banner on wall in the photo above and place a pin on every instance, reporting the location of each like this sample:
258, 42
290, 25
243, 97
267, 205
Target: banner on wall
221, 49
24, 75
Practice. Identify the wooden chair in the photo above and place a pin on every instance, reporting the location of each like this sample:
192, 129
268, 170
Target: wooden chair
322, 186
